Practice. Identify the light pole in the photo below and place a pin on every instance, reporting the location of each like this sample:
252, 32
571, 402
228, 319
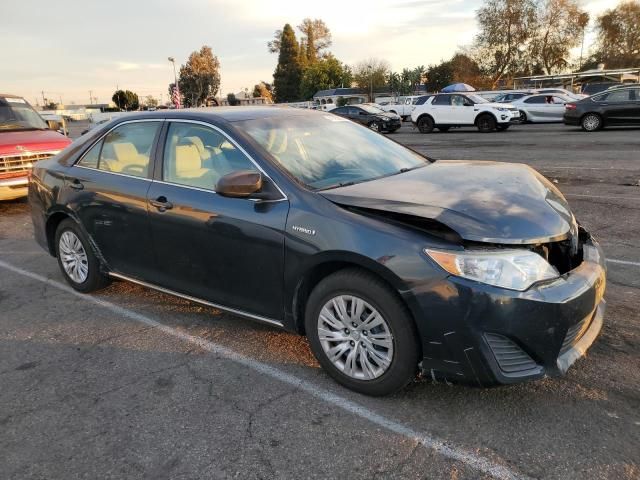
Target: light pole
370, 68
175, 76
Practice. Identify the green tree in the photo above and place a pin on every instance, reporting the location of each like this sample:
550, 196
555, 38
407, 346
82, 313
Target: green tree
324, 74
618, 36
315, 38
126, 100
286, 78
507, 28
371, 75
232, 100
439, 76
199, 77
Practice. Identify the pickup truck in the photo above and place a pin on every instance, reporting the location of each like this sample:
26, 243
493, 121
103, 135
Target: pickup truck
402, 106
25, 138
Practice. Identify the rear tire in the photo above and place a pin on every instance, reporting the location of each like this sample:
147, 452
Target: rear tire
425, 124
591, 122
486, 123
367, 329
79, 265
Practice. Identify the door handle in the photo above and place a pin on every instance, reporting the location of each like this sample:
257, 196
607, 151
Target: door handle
76, 184
162, 204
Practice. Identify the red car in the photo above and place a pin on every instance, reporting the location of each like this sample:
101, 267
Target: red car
25, 138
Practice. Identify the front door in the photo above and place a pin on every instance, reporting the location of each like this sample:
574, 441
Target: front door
621, 106
108, 188
228, 251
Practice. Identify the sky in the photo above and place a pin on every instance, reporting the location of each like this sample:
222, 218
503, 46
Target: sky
67, 48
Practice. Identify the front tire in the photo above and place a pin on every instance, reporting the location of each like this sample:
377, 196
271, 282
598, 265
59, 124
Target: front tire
79, 266
591, 122
374, 126
425, 124
361, 333
486, 123
523, 117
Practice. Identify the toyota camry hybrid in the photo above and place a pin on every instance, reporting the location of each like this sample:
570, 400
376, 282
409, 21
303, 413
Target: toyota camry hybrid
391, 263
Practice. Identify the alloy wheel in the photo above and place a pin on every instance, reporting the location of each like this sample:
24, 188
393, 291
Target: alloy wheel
375, 127
523, 117
591, 123
355, 337
73, 257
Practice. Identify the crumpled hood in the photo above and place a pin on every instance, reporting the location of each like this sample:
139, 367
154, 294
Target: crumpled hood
493, 202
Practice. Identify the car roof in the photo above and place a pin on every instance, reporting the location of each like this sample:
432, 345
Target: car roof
229, 114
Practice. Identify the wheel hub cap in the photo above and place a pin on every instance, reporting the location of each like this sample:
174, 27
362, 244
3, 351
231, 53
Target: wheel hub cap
363, 351
73, 257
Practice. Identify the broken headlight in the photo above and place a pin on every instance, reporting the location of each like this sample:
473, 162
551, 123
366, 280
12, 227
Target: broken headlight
512, 269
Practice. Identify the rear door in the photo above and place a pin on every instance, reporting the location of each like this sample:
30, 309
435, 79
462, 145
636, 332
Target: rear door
536, 108
108, 188
228, 251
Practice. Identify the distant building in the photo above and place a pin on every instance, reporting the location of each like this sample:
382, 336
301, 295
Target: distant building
575, 79
245, 98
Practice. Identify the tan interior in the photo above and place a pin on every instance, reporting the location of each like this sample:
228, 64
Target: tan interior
123, 156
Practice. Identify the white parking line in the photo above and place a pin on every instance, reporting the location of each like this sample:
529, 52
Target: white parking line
623, 262
449, 451
606, 197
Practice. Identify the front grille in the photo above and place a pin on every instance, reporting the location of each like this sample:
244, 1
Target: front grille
574, 333
510, 357
22, 163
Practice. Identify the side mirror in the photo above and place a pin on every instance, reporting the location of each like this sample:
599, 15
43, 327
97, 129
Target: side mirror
239, 184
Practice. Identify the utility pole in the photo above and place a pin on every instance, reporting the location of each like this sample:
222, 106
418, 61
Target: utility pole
44, 102
90, 97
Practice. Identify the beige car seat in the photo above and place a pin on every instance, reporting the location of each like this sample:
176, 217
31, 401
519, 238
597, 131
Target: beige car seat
189, 168
123, 157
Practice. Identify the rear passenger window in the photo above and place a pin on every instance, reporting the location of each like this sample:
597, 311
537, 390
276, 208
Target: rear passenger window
198, 156
90, 158
127, 149
442, 100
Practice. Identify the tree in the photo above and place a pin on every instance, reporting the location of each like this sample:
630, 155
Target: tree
263, 89
618, 36
559, 29
126, 100
439, 76
286, 78
507, 28
324, 74
232, 100
371, 74
315, 38
150, 101
199, 77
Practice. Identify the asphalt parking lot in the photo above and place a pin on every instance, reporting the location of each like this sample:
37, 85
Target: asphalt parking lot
132, 383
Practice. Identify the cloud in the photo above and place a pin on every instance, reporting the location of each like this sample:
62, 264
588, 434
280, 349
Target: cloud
125, 66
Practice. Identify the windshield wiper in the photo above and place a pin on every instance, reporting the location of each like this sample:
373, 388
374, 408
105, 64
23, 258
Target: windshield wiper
337, 185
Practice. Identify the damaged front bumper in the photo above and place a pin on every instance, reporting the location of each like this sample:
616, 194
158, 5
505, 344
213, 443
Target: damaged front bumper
484, 335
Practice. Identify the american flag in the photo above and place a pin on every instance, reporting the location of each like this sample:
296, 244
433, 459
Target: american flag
175, 96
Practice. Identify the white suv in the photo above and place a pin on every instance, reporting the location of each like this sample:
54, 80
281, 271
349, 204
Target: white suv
446, 110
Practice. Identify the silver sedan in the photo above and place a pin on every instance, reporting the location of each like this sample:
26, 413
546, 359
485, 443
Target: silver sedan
543, 107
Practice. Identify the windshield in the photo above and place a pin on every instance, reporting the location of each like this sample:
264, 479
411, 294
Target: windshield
17, 114
325, 151
371, 109
476, 98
